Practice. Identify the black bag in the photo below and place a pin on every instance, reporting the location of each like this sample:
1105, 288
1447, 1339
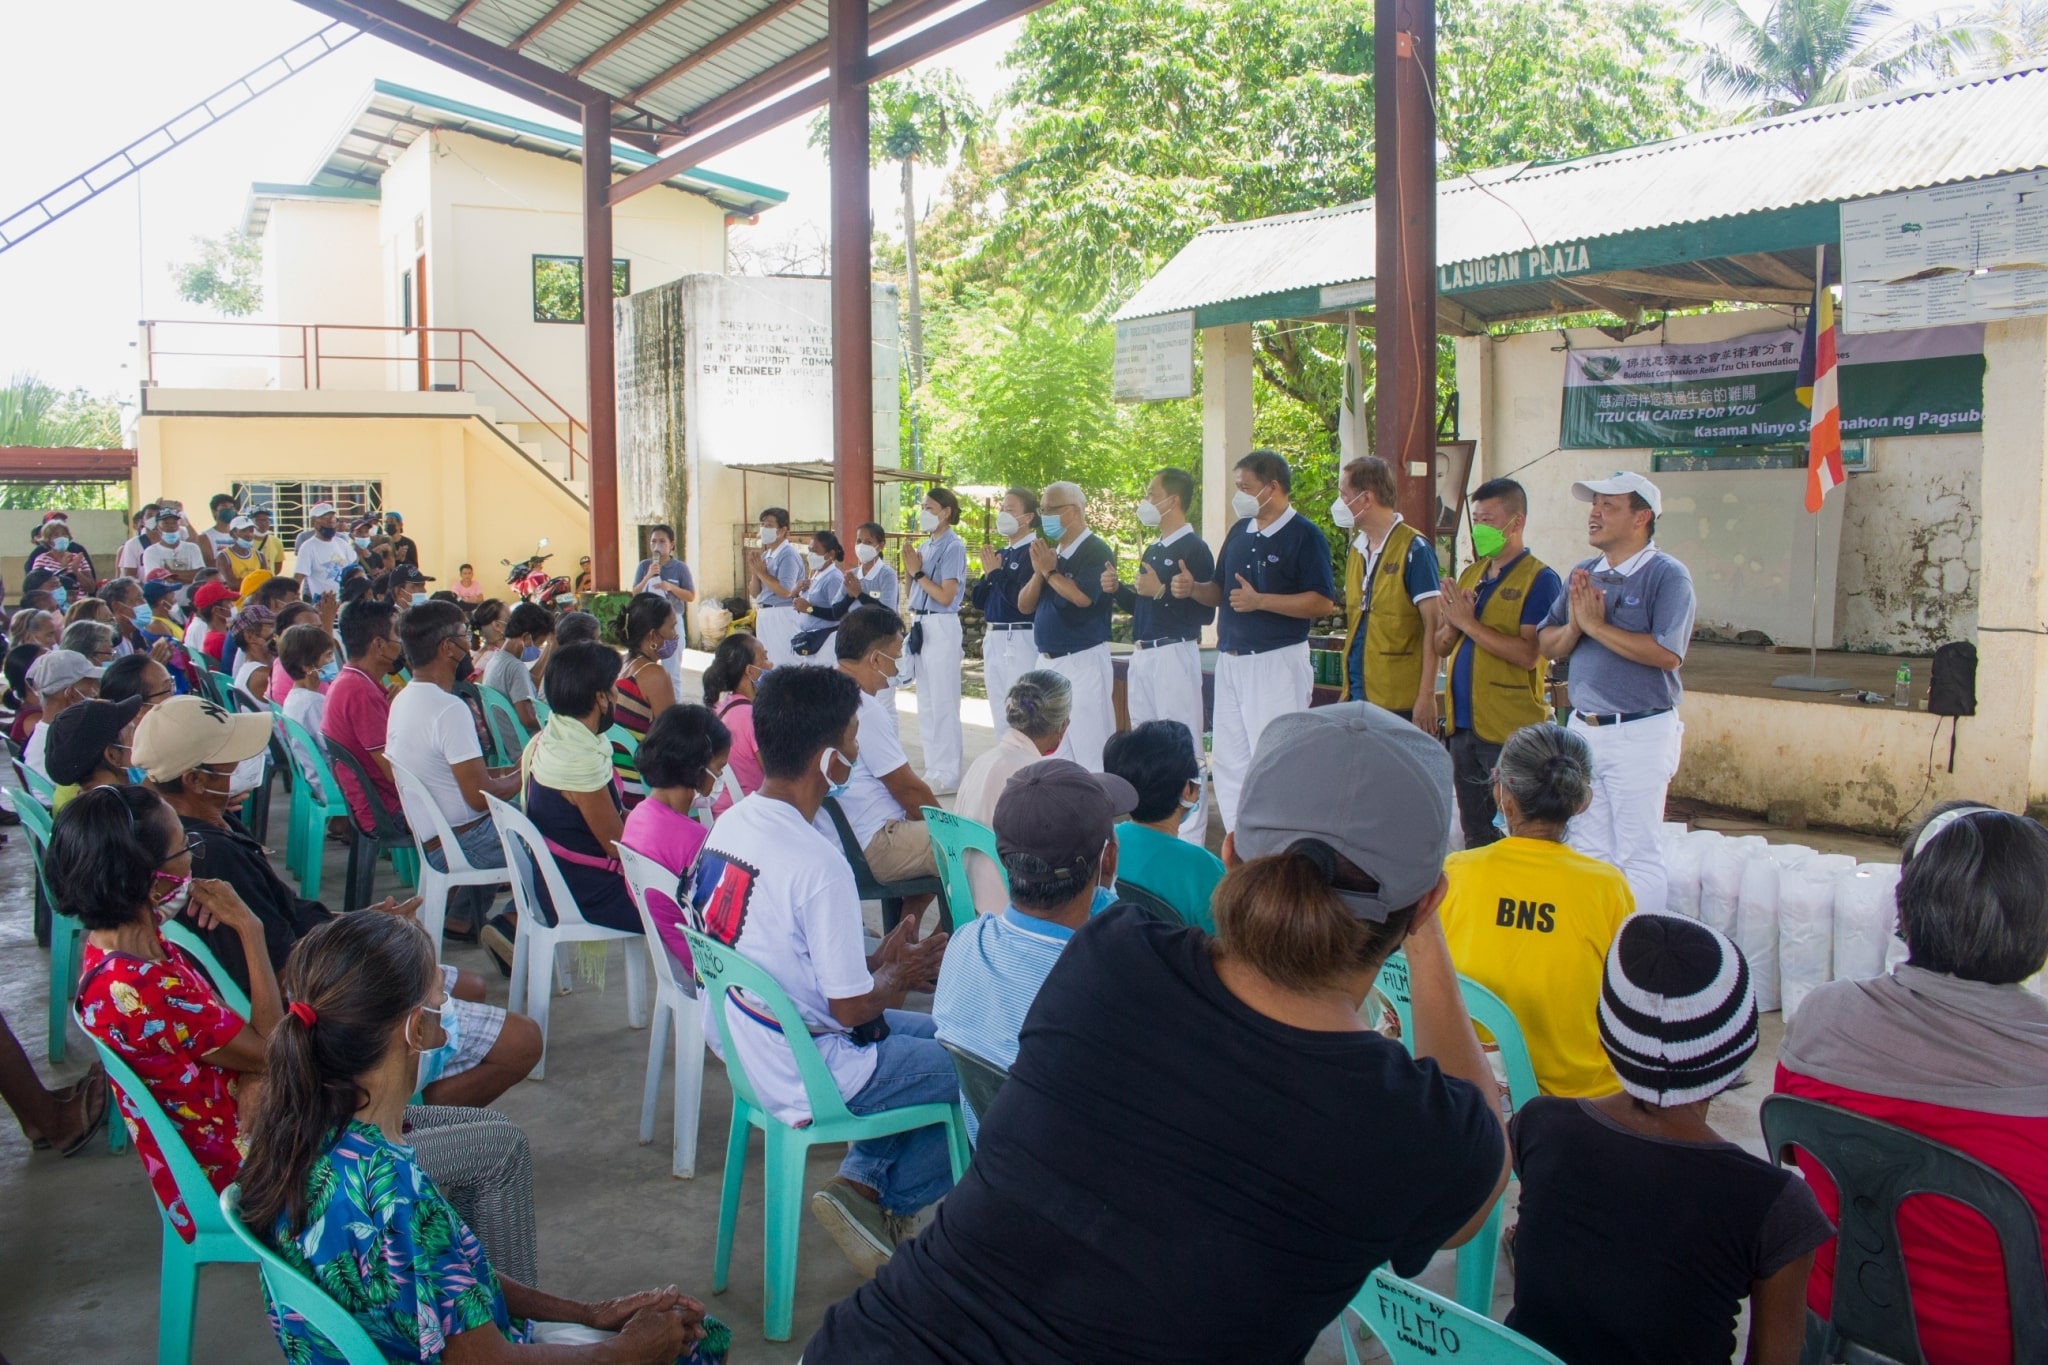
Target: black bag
1952, 685
913, 643
806, 643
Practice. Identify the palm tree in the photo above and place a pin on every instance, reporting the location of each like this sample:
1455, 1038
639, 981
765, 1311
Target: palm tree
2003, 33
1805, 52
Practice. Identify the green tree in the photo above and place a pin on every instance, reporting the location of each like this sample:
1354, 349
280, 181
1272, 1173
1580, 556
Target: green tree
1805, 52
2003, 33
226, 275
33, 413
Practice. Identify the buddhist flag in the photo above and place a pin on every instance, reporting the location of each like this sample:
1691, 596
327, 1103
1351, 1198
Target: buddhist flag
1818, 390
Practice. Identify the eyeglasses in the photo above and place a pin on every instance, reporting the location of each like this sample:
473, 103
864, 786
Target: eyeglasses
193, 844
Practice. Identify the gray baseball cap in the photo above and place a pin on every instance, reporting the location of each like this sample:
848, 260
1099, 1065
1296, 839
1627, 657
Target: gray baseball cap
1058, 815
1362, 780
59, 669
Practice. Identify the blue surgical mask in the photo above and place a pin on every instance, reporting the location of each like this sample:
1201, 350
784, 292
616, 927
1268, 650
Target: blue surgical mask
61, 593
61, 544
144, 617
835, 790
1051, 525
362, 542
329, 671
434, 1060
1104, 898
173, 537
530, 655
420, 599
136, 776
244, 544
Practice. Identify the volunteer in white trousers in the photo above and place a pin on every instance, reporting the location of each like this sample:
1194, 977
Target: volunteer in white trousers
1165, 681
663, 573
1008, 651
937, 573
773, 572
1070, 618
1624, 622
1272, 580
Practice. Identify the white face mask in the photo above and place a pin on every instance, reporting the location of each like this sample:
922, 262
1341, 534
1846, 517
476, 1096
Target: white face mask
1148, 514
866, 553
1340, 514
1244, 505
835, 789
815, 560
1006, 524
927, 520
770, 534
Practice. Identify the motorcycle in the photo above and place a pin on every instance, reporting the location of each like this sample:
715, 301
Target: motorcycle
532, 582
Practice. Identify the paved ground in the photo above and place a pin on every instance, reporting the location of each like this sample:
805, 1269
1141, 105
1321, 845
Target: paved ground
79, 1239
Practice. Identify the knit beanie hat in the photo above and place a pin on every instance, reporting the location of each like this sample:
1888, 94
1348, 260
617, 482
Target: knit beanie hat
1677, 1009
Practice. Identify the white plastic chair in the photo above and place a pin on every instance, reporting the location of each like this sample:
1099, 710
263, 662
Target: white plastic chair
726, 785
423, 813
676, 1010
534, 958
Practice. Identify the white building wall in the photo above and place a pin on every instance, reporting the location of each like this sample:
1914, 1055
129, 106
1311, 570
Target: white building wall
1907, 571
321, 264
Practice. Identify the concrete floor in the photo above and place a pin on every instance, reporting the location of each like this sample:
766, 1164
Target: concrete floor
79, 1238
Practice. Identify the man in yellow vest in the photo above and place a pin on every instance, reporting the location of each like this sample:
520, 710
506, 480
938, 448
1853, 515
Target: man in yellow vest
1494, 678
1391, 588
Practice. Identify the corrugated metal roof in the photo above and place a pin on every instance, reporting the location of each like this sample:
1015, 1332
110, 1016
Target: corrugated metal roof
392, 116
1963, 130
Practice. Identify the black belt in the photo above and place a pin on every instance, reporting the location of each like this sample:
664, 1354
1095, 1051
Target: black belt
931, 611
1070, 653
1009, 625
1611, 718
1163, 641
1265, 649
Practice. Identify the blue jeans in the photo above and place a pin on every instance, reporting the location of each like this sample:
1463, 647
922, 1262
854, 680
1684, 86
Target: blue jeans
479, 844
909, 1170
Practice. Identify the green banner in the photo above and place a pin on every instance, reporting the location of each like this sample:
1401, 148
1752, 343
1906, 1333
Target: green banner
1743, 391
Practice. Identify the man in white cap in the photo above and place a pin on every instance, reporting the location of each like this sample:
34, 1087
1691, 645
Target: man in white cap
1624, 622
320, 560
60, 677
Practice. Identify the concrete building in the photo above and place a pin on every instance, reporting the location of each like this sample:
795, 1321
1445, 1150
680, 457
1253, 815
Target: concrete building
1907, 557
421, 345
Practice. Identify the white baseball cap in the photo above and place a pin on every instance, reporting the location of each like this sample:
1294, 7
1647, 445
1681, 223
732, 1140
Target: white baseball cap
320, 509
242, 524
1621, 481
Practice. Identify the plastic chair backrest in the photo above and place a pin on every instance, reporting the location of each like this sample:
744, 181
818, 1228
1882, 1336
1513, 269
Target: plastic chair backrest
37, 820
40, 787
1491, 1013
192, 1184
723, 969
1393, 986
309, 758
177, 931
501, 717
1421, 1328
647, 879
418, 802
529, 846
1151, 903
292, 1293
980, 1078
953, 837
1875, 1167
385, 823
625, 739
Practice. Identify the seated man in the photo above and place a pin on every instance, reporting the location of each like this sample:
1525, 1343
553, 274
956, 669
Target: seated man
358, 712
188, 747
1202, 1150
1055, 829
771, 885
60, 678
1158, 759
884, 790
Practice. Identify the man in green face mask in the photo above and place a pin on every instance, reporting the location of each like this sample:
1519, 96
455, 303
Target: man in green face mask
1488, 640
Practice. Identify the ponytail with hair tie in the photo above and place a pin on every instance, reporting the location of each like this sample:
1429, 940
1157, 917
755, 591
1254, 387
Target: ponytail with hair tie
303, 1012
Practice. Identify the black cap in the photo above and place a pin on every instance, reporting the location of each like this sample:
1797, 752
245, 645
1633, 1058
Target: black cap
1056, 816
80, 735
407, 573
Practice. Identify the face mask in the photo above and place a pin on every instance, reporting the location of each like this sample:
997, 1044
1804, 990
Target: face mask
172, 537
1340, 514
144, 617
434, 1060
464, 666
329, 671
1244, 505
531, 654
770, 534
669, 647
243, 544
866, 554
420, 599
362, 542
136, 776
1104, 898
1487, 541
815, 560
1006, 524
61, 544
170, 905
835, 790
61, 593
324, 532
895, 669
1147, 513
1051, 524
927, 520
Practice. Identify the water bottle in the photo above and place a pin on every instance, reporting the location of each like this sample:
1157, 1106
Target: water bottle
1902, 687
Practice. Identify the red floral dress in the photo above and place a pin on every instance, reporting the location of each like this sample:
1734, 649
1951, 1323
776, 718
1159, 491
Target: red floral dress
162, 1019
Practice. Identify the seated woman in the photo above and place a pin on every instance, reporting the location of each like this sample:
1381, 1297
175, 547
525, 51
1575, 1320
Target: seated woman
1158, 758
333, 1181
1635, 1189
307, 657
252, 630
737, 667
648, 627
91, 745
1532, 920
1038, 708
1952, 1047
281, 681
20, 697
572, 793
681, 759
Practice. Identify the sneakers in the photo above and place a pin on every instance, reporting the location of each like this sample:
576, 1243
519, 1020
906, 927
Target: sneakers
863, 1232
497, 936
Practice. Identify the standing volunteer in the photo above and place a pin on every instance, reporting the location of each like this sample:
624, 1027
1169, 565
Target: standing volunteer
1272, 579
1391, 587
1070, 618
1165, 680
661, 572
1008, 650
1624, 621
773, 571
1487, 634
937, 572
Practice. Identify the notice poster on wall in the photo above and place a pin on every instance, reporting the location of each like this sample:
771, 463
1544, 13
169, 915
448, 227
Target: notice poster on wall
1744, 391
1155, 358
1974, 252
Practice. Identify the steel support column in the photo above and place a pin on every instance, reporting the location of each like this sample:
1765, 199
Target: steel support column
853, 363
601, 375
1404, 198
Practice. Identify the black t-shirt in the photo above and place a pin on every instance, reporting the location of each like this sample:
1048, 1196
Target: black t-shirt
1169, 1175
234, 856
1686, 1227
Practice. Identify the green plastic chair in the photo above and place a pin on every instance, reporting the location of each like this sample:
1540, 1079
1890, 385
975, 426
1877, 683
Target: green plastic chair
1477, 1257
625, 739
501, 718
1421, 1328
67, 935
953, 837
292, 1294
178, 932
387, 833
40, 787
722, 969
213, 1242
316, 798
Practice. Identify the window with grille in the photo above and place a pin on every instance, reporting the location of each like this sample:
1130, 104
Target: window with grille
288, 500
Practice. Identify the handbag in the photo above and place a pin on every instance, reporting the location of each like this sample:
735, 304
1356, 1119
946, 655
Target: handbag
913, 643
